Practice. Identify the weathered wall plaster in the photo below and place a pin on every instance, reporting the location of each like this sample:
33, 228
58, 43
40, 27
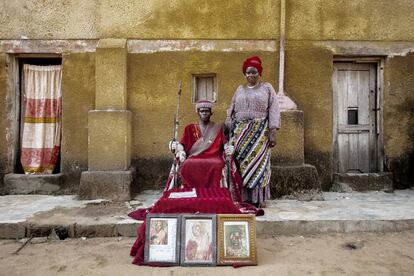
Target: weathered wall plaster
169, 41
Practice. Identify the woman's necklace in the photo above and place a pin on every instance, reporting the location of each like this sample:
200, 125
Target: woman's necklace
253, 86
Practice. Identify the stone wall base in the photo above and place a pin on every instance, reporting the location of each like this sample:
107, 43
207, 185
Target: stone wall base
295, 182
112, 185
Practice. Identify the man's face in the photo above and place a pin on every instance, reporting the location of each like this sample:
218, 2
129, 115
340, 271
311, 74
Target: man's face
204, 114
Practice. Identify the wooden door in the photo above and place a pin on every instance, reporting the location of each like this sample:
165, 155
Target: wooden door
355, 122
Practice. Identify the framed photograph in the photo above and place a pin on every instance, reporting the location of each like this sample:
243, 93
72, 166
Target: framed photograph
198, 240
236, 239
162, 239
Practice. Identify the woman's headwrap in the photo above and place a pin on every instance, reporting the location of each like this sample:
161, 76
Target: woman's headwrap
205, 104
255, 62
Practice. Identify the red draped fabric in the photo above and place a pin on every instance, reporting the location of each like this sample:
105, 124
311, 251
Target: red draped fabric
203, 170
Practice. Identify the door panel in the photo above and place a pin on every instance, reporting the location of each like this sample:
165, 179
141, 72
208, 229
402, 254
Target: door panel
355, 140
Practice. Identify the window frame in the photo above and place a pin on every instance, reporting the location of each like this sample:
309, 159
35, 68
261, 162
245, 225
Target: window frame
195, 77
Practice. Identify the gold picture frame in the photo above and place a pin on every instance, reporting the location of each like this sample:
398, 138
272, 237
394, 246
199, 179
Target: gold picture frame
236, 240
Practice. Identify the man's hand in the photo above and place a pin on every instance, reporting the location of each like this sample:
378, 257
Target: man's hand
181, 156
175, 146
178, 150
272, 138
228, 149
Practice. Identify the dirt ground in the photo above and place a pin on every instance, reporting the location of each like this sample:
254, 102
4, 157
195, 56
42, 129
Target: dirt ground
322, 254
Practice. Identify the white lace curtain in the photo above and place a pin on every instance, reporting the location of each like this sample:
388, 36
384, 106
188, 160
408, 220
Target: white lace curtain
42, 118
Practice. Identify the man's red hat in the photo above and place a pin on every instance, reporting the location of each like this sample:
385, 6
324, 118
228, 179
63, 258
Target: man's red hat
205, 104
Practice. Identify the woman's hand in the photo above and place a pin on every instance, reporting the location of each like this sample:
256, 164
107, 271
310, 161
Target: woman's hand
228, 149
272, 138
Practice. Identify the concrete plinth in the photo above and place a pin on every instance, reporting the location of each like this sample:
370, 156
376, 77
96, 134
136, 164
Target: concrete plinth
113, 185
109, 128
362, 182
23, 184
109, 142
111, 68
290, 140
299, 181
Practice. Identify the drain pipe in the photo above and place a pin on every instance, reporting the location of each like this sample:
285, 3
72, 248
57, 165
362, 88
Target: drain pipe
285, 102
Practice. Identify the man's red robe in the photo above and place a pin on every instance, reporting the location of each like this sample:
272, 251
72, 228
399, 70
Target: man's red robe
204, 165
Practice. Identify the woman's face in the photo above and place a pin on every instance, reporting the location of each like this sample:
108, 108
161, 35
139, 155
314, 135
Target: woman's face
252, 75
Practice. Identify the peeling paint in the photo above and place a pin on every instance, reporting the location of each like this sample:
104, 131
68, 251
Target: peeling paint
153, 46
47, 46
367, 48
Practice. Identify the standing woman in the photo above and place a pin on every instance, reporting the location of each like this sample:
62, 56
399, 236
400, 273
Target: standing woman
254, 118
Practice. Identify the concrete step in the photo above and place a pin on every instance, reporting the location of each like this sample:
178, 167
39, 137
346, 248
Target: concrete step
35, 215
362, 182
23, 184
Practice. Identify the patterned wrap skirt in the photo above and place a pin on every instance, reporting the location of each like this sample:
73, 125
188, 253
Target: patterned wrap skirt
252, 155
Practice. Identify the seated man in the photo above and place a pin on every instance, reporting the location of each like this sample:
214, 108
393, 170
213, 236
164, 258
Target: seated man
200, 153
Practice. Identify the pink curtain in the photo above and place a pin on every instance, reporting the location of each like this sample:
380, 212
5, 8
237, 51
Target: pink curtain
42, 118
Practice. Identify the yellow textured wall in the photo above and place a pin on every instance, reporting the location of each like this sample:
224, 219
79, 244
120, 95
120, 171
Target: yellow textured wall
189, 19
399, 105
153, 86
308, 83
350, 20
139, 19
78, 92
3, 116
399, 118
152, 78
48, 19
306, 20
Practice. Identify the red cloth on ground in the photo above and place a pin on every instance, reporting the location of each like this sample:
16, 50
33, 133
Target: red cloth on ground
208, 201
203, 170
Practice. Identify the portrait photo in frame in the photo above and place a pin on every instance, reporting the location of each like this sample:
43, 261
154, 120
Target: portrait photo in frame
198, 240
236, 239
162, 239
